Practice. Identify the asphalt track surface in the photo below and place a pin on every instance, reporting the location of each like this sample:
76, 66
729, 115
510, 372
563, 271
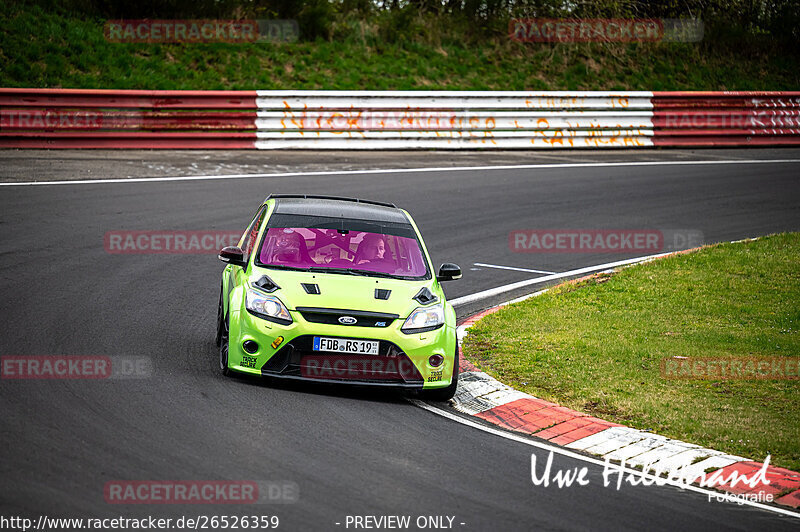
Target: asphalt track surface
350, 452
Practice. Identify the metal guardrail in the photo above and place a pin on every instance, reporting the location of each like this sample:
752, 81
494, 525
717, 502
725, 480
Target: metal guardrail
75, 118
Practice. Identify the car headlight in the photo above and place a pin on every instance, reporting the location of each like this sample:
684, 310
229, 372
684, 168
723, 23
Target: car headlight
267, 306
424, 319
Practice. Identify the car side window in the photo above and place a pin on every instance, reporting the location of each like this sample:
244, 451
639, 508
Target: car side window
249, 237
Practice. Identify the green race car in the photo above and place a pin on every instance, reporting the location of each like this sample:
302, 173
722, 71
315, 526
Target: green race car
332, 289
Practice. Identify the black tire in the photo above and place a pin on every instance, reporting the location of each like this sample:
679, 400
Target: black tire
445, 394
219, 319
223, 345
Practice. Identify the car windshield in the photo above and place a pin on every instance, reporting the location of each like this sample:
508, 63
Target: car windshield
351, 247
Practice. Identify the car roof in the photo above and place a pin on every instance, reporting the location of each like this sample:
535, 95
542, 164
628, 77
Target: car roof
334, 207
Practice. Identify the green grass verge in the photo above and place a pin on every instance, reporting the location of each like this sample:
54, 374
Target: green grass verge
596, 346
41, 48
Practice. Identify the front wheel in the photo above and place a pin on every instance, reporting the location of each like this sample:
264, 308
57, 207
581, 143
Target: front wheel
223, 345
220, 325
445, 394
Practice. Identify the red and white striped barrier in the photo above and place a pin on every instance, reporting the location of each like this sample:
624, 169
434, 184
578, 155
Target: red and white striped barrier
76, 118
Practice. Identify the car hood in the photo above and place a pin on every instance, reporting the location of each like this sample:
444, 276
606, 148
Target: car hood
342, 291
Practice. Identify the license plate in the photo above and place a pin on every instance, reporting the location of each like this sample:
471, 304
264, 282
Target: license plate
346, 345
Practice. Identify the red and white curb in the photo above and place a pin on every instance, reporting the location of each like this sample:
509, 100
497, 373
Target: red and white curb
485, 397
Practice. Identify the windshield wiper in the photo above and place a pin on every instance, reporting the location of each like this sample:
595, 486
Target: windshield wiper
322, 269
284, 267
370, 273
343, 271
353, 271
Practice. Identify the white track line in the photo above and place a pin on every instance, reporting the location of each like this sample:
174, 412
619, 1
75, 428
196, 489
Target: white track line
396, 171
521, 284
577, 456
511, 268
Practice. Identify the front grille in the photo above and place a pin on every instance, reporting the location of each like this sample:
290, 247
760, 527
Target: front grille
298, 359
330, 316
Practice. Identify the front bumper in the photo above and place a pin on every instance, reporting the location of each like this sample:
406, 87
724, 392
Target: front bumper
402, 360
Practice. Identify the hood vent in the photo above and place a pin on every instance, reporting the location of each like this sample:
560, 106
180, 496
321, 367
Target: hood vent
382, 293
266, 284
425, 296
310, 288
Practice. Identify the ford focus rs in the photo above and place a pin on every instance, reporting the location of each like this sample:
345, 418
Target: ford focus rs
337, 290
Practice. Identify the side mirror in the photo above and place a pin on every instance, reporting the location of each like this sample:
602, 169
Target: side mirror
449, 272
233, 255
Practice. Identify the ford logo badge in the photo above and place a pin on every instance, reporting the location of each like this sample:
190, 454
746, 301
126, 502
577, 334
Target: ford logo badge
348, 320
